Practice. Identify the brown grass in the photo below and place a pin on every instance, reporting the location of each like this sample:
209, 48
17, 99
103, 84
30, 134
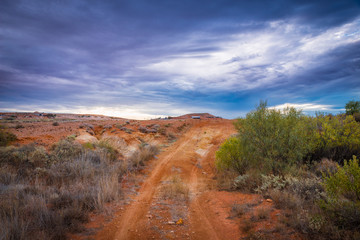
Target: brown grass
238, 210
175, 189
142, 155
45, 196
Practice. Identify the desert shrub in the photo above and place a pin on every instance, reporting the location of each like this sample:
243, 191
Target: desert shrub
6, 138
269, 182
308, 189
343, 202
225, 180
345, 182
337, 138
8, 155
108, 146
30, 155
113, 144
238, 210
325, 166
284, 199
55, 124
142, 155
231, 156
270, 140
175, 189
66, 149
263, 213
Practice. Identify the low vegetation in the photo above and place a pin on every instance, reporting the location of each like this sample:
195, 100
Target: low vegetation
175, 189
307, 165
6, 138
45, 195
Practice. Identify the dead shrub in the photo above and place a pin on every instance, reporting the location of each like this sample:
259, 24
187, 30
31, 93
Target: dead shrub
325, 166
225, 180
142, 155
285, 199
238, 210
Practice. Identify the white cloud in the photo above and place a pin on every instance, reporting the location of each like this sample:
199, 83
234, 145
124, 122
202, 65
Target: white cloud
305, 107
250, 60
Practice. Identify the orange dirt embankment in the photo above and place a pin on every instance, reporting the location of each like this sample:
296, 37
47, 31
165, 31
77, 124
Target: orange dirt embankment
191, 157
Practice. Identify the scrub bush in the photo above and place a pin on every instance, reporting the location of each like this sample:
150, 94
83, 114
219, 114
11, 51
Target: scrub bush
268, 139
6, 138
343, 203
337, 138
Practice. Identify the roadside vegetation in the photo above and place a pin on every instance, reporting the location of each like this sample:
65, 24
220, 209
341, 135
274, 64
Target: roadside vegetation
47, 194
307, 165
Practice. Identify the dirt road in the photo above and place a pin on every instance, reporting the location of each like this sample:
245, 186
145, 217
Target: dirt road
192, 158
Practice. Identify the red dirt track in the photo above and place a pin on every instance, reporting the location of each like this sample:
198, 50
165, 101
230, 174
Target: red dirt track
193, 154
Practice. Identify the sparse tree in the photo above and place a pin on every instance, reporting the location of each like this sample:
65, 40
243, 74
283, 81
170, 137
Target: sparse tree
352, 107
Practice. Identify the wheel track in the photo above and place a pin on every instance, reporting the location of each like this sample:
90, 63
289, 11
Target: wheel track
133, 220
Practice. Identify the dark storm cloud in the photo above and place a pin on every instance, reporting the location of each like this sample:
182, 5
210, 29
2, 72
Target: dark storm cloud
134, 51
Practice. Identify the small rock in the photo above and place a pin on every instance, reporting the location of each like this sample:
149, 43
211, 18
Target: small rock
171, 222
269, 200
180, 222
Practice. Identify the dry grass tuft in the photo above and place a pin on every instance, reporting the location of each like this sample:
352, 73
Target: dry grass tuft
237, 210
175, 189
142, 155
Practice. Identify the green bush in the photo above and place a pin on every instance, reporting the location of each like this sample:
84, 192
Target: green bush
352, 107
345, 183
270, 140
337, 138
231, 156
343, 203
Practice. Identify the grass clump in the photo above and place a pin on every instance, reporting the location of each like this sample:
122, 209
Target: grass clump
6, 138
175, 189
142, 155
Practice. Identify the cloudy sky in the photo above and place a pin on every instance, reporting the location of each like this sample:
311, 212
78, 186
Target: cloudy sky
142, 59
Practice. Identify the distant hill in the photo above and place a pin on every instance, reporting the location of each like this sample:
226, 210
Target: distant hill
201, 115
